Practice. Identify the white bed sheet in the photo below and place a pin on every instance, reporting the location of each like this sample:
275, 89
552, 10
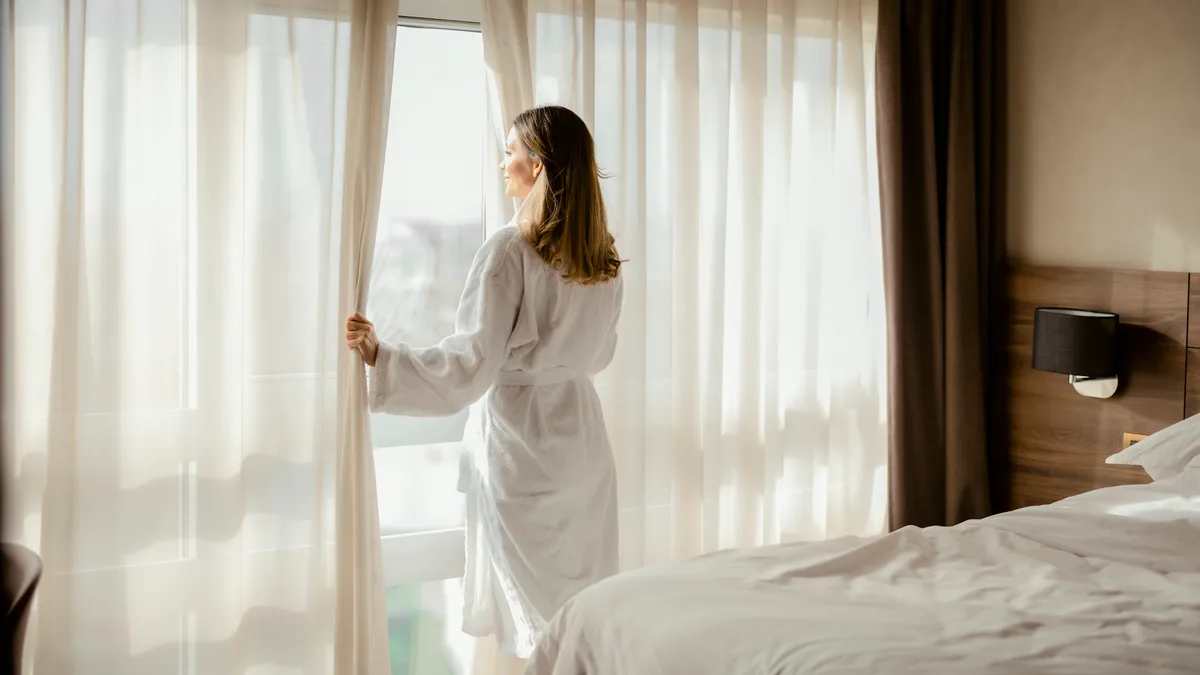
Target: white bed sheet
1103, 583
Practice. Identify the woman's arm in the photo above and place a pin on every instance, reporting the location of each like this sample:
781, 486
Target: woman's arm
445, 379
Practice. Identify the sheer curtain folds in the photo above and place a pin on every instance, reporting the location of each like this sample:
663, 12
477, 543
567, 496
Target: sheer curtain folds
361, 640
746, 404
195, 188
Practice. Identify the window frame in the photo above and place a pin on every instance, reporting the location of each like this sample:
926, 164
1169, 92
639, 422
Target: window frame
466, 14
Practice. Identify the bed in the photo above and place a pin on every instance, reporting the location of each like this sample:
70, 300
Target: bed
1097, 571
1106, 582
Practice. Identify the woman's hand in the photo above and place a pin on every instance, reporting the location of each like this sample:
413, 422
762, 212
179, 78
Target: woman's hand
360, 335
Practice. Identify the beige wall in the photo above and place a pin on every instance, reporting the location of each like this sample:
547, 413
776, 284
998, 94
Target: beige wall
1104, 135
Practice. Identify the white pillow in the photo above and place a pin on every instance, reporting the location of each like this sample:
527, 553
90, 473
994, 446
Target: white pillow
1164, 454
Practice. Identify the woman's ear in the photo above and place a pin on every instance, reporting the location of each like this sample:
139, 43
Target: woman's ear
537, 168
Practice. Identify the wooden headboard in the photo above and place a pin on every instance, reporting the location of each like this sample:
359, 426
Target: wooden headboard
1056, 439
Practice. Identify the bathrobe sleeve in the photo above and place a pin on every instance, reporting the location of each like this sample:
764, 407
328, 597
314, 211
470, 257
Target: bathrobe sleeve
610, 343
447, 378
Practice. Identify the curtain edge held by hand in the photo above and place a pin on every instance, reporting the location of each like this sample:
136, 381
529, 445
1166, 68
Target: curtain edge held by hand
360, 629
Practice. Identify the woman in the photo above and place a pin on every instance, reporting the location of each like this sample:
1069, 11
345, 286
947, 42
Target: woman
537, 319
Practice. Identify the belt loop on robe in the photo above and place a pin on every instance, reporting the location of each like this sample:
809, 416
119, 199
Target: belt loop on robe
521, 378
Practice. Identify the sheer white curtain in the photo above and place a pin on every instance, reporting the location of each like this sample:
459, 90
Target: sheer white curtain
746, 404
193, 206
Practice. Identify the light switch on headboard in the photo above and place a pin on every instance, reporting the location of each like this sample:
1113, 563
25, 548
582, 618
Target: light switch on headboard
1130, 439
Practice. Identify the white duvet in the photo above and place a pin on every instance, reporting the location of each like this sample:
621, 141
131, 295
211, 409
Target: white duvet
1104, 583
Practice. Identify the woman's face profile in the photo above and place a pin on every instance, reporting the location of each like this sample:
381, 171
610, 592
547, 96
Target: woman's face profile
519, 168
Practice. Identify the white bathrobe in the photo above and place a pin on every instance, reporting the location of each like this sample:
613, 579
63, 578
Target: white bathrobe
537, 470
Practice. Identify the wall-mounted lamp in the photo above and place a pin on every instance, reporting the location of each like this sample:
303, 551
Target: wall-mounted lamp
1080, 344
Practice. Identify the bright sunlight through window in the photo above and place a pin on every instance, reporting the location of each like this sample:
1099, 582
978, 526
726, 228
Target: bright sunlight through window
430, 226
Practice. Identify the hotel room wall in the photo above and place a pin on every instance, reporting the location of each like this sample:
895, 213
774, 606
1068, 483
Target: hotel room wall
1104, 133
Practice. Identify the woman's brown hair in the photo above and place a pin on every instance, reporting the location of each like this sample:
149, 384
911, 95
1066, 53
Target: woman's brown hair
563, 217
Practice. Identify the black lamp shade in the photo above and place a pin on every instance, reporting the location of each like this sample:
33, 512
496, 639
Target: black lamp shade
1075, 342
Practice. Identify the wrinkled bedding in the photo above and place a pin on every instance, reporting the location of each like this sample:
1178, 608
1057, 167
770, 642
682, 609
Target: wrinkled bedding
1104, 583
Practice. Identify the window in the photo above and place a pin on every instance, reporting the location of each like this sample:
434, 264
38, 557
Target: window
430, 227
